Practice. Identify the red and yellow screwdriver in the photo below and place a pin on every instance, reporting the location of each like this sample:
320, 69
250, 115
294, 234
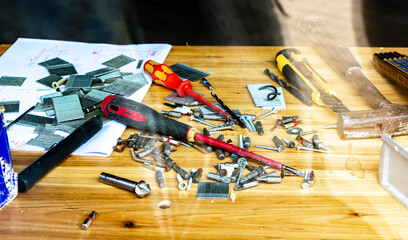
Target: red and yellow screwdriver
142, 117
163, 75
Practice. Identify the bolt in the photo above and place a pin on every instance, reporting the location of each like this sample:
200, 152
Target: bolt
141, 189
145, 152
234, 175
219, 166
227, 127
267, 147
160, 178
182, 184
190, 180
241, 140
242, 162
299, 147
278, 144
171, 164
218, 178
201, 121
256, 172
248, 122
197, 175
274, 110
304, 142
291, 144
294, 123
89, 220
259, 128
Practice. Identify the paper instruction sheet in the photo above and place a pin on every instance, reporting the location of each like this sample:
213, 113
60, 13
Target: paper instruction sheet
22, 58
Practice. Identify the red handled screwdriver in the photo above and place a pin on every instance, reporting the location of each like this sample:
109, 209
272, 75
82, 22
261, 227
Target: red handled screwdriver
163, 75
142, 117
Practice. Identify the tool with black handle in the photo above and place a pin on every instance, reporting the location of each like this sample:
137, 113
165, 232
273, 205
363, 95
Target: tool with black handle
142, 117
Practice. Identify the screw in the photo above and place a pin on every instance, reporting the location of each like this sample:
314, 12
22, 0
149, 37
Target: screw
274, 110
299, 147
256, 172
141, 189
291, 144
89, 220
267, 147
307, 132
269, 179
222, 128
201, 121
182, 184
250, 125
332, 126
241, 140
243, 162
305, 184
190, 180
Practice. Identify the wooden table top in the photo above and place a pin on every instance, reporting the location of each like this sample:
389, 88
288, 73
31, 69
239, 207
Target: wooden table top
346, 201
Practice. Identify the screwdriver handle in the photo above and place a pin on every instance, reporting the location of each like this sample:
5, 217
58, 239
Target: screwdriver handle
142, 117
163, 75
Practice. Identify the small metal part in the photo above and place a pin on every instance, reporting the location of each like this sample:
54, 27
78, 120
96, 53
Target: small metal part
169, 162
315, 141
201, 121
311, 178
154, 166
291, 144
247, 143
222, 128
206, 83
241, 140
254, 173
304, 142
160, 178
169, 140
132, 139
259, 128
89, 220
294, 123
120, 145
207, 147
267, 147
331, 126
269, 179
166, 149
171, 113
246, 185
198, 147
139, 160
190, 180
305, 183
308, 132
274, 110
279, 144
218, 178
197, 175
145, 152
182, 184
234, 175
139, 141
248, 122
295, 171
219, 152
149, 141
141, 188
223, 172
299, 147
294, 131
219, 166
242, 162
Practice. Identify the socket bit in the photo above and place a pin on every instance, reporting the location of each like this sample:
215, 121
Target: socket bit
141, 188
304, 142
218, 178
259, 128
197, 175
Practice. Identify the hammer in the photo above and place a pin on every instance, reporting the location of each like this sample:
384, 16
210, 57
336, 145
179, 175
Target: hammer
387, 117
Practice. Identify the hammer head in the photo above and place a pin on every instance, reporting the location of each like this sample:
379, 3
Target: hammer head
391, 119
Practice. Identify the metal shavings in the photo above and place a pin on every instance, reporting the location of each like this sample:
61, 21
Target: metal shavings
11, 106
119, 61
79, 81
12, 81
47, 81
126, 87
187, 72
59, 67
34, 120
211, 190
67, 108
260, 97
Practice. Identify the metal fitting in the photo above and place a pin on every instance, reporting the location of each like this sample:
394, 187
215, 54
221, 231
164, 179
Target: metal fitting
279, 144
160, 178
171, 113
218, 178
274, 110
182, 184
256, 172
170, 163
190, 180
89, 220
141, 189
267, 147
294, 123
201, 121
304, 142
241, 140
291, 144
222, 128
145, 152
247, 143
242, 162
234, 175
299, 147
259, 128
246, 185
197, 175
219, 152
153, 166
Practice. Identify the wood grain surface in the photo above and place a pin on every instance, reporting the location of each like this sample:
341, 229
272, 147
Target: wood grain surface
346, 202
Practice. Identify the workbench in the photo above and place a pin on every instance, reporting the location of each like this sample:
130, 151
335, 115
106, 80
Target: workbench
346, 201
